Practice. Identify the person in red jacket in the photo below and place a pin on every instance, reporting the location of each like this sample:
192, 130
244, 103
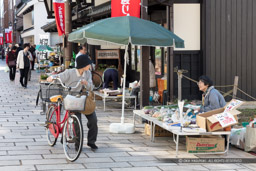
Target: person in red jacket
11, 59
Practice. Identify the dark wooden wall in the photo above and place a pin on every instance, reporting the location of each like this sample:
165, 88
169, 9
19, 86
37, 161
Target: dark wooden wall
229, 43
190, 61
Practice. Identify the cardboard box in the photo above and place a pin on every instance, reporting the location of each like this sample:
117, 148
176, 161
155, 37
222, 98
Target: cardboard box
159, 132
205, 145
209, 121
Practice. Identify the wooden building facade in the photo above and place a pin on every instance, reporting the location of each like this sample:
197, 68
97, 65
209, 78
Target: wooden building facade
229, 43
227, 46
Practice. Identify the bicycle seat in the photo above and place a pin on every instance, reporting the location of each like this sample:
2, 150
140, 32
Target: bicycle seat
55, 99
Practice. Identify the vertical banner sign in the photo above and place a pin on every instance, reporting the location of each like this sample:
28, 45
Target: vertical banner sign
59, 11
10, 34
125, 8
1, 39
6, 32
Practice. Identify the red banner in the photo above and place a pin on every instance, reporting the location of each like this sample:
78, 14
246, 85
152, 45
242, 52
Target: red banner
6, 32
59, 11
10, 34
1, 39
125, 8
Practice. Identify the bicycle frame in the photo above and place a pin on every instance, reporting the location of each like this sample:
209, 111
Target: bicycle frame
57, 109
58, 120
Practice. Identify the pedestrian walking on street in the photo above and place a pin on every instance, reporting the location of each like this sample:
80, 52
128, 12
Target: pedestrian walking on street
32, 50
70, 77
11, 59
3, 53
19, 48
8, 49
23, 64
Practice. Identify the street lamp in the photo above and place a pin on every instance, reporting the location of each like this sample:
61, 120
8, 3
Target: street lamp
49, 8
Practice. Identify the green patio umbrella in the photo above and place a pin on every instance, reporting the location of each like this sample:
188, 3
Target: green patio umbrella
43, 48
124, 31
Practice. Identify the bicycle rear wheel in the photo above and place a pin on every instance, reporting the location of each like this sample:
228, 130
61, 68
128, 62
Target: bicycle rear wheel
72, 138
51, 127
97, 80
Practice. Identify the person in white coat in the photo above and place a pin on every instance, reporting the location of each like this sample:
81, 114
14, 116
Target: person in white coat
23, 64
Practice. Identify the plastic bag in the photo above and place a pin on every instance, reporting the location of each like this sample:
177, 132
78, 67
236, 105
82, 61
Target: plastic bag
17, 78
74, 103
36, 65
250, 139
6, 69
237, 137
156, 97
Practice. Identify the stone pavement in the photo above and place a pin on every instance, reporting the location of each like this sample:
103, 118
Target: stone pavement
23, 144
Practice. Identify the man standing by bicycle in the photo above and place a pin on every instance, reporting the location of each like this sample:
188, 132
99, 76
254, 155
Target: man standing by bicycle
70, 77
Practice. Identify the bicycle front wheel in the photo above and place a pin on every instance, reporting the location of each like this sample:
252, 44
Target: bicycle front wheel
52, 130
97, 80
73, 138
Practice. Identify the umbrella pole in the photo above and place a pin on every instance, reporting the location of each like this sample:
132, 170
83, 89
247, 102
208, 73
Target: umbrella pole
124, 76
122, 127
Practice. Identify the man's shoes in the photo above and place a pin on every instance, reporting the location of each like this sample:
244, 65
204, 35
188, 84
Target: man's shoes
93, 146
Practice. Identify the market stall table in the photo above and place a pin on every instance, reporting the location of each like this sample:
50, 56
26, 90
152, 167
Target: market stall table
177, 131
104, 97
141, 114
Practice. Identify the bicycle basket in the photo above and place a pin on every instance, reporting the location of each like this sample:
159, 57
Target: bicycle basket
49, 91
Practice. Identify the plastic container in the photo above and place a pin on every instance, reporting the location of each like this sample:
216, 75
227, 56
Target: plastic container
151, 98
244, 124
227, 128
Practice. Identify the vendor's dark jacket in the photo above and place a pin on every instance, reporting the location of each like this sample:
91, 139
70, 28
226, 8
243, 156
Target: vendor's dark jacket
212, 100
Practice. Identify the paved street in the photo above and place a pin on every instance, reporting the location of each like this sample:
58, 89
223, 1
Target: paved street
23, 144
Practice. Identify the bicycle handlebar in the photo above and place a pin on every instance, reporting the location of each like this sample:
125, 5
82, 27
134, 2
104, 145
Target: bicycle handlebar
69, 88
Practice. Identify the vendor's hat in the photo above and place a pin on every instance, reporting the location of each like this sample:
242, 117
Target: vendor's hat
82, 61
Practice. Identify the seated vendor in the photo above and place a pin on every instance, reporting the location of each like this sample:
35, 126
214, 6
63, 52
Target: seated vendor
110, 74
211, 98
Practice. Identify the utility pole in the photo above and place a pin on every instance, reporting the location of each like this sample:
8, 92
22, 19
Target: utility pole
144, 63
68, 29
5, 17
170, 57
12, 21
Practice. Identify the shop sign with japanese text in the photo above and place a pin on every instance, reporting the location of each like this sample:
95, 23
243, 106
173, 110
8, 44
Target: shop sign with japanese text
1, 39
6, 32
125, 8
59, 11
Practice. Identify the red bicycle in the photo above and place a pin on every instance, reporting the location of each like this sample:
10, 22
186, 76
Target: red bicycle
70, 126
